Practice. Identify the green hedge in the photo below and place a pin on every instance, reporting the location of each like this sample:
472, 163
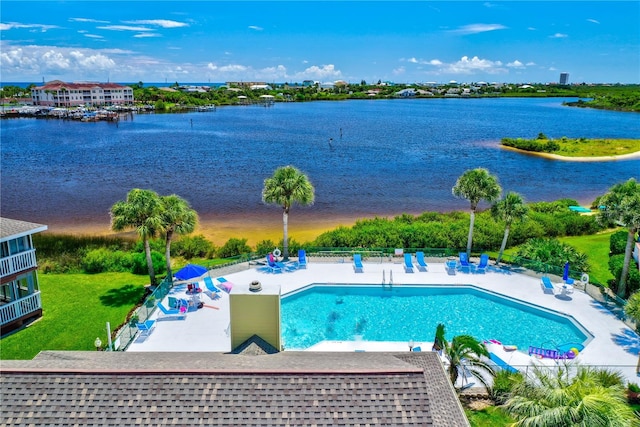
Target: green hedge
616, 262
618, 242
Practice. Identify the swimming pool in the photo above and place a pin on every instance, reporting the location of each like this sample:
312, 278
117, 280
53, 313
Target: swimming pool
321, 312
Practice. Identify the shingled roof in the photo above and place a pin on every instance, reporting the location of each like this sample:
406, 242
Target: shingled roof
13, 228
283, 389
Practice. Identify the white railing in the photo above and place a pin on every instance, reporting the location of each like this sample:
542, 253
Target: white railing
16, 309
18, 262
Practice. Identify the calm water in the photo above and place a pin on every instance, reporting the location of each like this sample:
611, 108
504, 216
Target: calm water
412, 313
386, 157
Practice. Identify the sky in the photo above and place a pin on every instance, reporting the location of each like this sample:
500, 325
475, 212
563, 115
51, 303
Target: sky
291, 41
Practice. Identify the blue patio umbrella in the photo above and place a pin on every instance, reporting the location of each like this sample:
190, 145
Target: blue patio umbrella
565, 273
190, 271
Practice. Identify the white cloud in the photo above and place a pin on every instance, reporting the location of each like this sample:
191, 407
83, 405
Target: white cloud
87, 20
164, 23
123, 28
559, 36
50, 60
255, 27
515, 64
530, 64
5, 26
478, 28
423, 61
531, 28
322, 72
593, 21
144, 35
93, 36
277, 72
468, 66
398, 71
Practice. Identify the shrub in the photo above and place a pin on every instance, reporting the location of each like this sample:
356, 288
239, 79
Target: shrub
233, 247
139, 263
190, 247
534, 253
616, 262
263, 247
103, 260
156, 245
503, 383
618, 242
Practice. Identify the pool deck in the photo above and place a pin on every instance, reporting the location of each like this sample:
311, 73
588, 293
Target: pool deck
614, 345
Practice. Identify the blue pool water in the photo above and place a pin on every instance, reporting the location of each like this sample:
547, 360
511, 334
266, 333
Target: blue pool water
322, 312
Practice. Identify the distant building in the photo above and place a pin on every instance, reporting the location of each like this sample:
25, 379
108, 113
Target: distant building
62, 94
19, 289
564, 78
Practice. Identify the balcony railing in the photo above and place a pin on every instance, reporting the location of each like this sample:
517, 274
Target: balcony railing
16, 309
17, 263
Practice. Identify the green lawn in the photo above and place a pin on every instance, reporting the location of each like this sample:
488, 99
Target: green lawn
76, 308
596, 247
488, 417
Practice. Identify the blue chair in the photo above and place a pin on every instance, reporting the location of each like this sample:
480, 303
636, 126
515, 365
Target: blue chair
484, 262
272, 265
357, 263
208, 283
174, 313
408, 263
422, 264
464, 263
547, 286
302, 258
146, 327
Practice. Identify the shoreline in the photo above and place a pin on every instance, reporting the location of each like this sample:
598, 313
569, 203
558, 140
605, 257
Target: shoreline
629, 156
302, 228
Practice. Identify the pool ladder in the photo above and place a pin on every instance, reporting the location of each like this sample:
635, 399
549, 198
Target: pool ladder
389, 286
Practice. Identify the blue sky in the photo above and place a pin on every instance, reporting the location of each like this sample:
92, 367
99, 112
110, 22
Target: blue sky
404, 42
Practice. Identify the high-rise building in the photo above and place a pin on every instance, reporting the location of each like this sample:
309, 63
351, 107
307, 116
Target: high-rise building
564, 78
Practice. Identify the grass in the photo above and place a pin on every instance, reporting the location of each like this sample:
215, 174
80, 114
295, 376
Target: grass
596, 246
490, 416
76, 308
583, 147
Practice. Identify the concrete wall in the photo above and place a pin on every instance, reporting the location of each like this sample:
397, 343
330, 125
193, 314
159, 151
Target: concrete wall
255, 314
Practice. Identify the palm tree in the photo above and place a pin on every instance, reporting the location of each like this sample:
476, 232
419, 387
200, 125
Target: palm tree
475, 185
177, 218
509, 209
621, 205
141, 211
632, 310
464, 352
590, 397
287, 186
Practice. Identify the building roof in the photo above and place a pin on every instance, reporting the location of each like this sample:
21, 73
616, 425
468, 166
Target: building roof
57, 85
13, 228
287, 388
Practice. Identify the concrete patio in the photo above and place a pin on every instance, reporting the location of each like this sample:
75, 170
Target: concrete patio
614, 345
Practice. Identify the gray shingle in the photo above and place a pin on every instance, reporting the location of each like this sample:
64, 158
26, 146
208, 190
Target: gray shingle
287, 388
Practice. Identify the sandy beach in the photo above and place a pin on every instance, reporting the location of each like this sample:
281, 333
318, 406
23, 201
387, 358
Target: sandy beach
303, 227
629, 156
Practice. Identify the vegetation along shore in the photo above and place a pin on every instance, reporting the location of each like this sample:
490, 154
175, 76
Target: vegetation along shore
576, 149
185, 97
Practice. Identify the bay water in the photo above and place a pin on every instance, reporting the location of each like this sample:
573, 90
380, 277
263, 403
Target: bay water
365, 158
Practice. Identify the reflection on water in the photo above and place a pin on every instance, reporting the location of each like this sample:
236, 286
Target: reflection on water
385, 157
